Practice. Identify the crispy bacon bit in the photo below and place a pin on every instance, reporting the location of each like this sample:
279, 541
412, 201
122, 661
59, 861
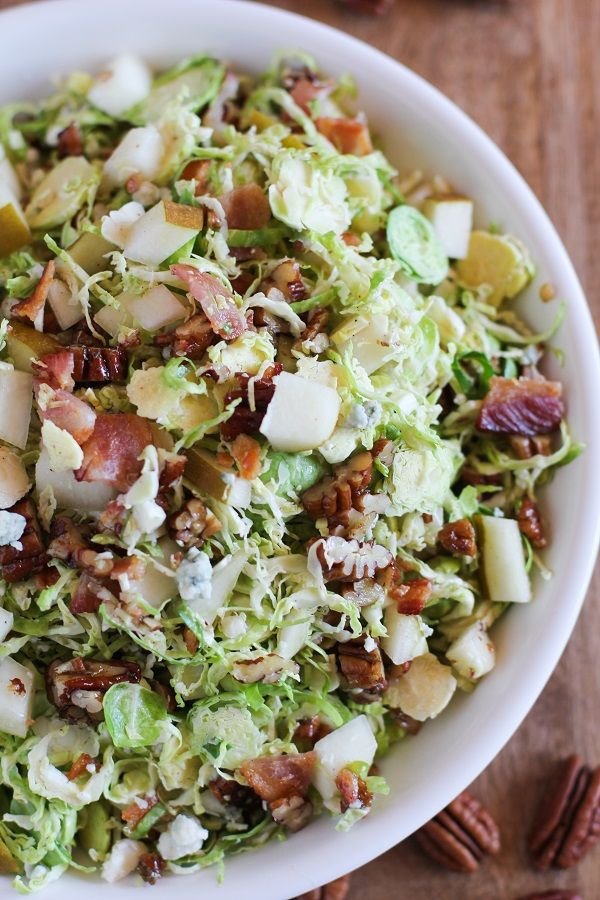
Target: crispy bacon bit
458, 537
287, 279
70, 142
351, 239
135, 812
76, 687
409, 596
527, 407
246, 208
246, 453
111, 453
81, 766
244, 419
346, 135
361, 668
70, 413
350, 561
32, 307
230, 793
15, 564
293, 813
17, 687
525, 448
305, 90
353, 791
55, 370
216, 300
89, 595
197, 170
531, 524
191, 339
339, 492
193, 524
309, 731
276, 777
172, 470
151, 867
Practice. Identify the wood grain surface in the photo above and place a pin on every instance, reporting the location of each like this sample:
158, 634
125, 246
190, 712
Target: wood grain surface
528, 71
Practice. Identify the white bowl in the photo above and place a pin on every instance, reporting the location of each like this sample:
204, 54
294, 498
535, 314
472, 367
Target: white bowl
419, 126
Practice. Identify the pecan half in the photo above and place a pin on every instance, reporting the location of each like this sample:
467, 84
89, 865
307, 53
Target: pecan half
526, 447
568, 821
458, 537
193, 524
191, 339
353, 791
230, 793
350, 561
246, 418
360, 667
76, 687
340, 492
460, 835
335, 890
292, 812
530, 523
15, 564
150, 867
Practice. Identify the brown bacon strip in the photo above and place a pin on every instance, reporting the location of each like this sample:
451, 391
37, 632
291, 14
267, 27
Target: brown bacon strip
111, 454
31, 306
17, 565
275, 777
346, 135
70, 413
246, 207
216, 301
525, 407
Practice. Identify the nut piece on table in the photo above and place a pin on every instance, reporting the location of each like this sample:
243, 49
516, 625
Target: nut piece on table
335, 890
568, 821
553, 895
460, 835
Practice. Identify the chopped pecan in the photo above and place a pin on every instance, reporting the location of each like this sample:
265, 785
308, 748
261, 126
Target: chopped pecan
407, 723
360, 667
461, 835
193, 524
353, 791
230, 793
32, 307
247, 418
268, 669
76, 687
568, 822
310, 340
308, 732
292, 812
526, 407
190, 339
411, 595
70, 141
531, 524
150, 867
287, 279
83, 765
526, 447
246, 453
338, 493
383, 450
350, 561
191, 641
335, 890
470, 475
19, 564
458, 537
275, 777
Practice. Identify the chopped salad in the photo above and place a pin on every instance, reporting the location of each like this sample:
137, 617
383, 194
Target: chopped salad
271, 440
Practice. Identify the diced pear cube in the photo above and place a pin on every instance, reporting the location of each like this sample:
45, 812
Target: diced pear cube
498, 260
61, 193
14, 230
161, 231
111, 319
302, 414
14, 481
65, 306
503, 560
406, 636
16, 395
452, 219
139, 153
205, 474
124, 82
425, 690
472, 654
89, 251
6, 623
154, 309
24, 343
8, 176
16, 697
93, 496
224, 578
352, 742
369, 339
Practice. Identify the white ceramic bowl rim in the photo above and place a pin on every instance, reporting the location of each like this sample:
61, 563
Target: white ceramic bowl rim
465, 744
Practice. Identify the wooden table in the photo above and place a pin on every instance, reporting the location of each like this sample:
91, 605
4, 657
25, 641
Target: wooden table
528, 71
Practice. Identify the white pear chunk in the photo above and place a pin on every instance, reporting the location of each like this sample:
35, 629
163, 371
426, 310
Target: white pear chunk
111, 319
6, 623
8, 176
70, 493
473, 653
60, 193
155, 586
503, 560
302, 414
425, 690
452, 218
124, 82
14, 482
139, 153
406, 636
370, 341
224, 578
353, 742
16, 697
161, 231
154, 309
14, 229
15, 406
65, 306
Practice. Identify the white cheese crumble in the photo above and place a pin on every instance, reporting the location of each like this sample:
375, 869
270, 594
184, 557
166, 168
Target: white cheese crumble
12, 526
141, 496
63, 450
184, 836
194, 576
124, 857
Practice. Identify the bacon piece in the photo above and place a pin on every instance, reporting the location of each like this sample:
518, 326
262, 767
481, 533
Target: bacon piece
15, 564
246, 207
244, 419
135, 812
111, 453
246, 452
458, 537
526, 407
216, 301
275, 777
190, 339
530, 523
150, 867
89, 595
361, 668
80, 766
31, 307
55, 370
70, 413
305, 91
198, 170
70, 142
353, 791
346, 135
